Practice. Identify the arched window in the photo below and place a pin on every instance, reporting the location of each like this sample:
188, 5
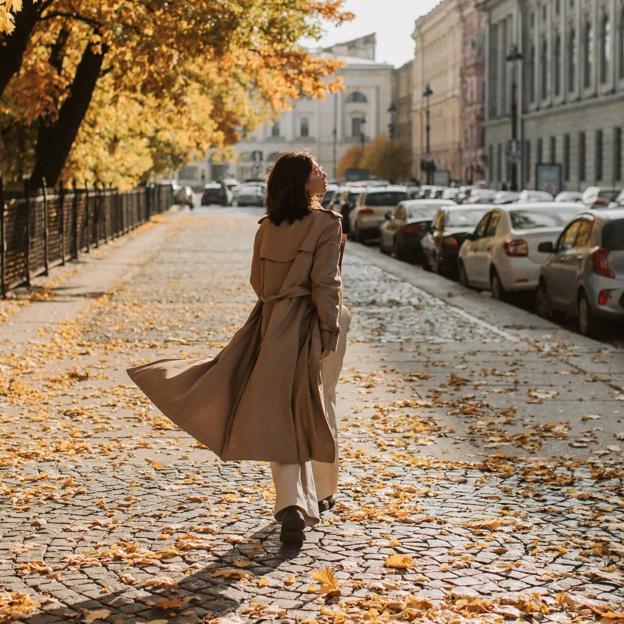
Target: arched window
588, 52
531, 74
572, 56
557, 65
605, 46
356, 96
544, 69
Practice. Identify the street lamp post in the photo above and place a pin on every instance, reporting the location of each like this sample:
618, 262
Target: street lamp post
514, 56
427, 93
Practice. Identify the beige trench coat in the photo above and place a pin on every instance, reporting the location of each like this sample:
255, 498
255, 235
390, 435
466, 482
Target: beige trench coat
261, 397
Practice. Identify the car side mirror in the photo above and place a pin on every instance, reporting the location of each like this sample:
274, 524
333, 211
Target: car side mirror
546, 247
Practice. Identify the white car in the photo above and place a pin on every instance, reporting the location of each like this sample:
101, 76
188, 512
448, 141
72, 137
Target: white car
599, 197
502, 255
370, 211
535, 196
569, 196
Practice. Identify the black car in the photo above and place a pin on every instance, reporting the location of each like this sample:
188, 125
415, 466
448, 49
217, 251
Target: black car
406, 225
448, 231
214, 193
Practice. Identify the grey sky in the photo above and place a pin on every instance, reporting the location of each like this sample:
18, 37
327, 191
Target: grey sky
392, 20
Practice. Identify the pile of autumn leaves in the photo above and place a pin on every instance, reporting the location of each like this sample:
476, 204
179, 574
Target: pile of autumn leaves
115, 91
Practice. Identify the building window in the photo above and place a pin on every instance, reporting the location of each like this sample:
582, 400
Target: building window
566, 157
572, 56
540, 151
557, 65
617, 154
356, 96
581, 157
275, 130
598, 154
544, 69
605, 46
304, 127
357, 126
621, 37
553, 149
531, 74
588, 52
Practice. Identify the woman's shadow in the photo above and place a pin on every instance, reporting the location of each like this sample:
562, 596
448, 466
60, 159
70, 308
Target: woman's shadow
202, 592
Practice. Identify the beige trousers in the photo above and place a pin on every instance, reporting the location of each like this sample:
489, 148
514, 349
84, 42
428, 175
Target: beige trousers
305, 484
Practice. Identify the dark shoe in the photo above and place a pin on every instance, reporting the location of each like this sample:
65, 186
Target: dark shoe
293, 524
327, 503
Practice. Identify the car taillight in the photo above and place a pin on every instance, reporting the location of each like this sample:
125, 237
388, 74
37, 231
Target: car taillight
412, 229
366, 211
600, 262
603, 297
450, 242
516, 247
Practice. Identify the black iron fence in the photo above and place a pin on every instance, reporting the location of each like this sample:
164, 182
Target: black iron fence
48, 227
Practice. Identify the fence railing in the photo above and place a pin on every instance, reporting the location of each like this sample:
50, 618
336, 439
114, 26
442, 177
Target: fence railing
50, 226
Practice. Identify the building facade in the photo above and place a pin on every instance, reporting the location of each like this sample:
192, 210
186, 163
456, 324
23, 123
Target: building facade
327, 128
401, 106
570, 95
448, 64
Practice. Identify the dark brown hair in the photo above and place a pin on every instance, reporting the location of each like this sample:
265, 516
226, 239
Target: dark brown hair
287, 197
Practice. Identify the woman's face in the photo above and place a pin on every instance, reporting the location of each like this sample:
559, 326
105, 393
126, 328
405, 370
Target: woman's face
317, 182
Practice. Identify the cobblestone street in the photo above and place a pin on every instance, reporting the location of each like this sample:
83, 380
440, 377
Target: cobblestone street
481, 454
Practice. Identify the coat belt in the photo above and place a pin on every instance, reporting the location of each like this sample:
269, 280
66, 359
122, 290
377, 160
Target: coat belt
296, 291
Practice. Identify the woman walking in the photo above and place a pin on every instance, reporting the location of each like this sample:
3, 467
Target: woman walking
269, 395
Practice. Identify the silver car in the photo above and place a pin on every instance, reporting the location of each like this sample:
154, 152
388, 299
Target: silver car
583, 276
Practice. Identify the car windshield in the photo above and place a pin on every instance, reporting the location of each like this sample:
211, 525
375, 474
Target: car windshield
532, 219
385, 198
613, 235
610, 195
421, 212
460, 218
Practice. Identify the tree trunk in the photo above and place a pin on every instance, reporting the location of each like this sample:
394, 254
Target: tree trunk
54, 142
13, 46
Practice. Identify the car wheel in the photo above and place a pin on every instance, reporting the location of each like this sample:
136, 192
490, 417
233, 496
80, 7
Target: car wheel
587, 322
463, 276
543, 307
496, 287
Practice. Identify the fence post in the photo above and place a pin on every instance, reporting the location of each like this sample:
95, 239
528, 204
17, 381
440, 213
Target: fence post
75, 220
46, 237
3, 286
105, 212
27, 250
88, 218
97, 217
61, 200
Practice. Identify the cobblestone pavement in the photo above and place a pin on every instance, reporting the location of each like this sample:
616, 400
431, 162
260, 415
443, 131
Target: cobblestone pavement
481, 476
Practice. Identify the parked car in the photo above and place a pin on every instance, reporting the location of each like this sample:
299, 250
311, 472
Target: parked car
619, 201
370, 211
569, 196
502, 254
450, 226
599, 197
464, 193
529, 195
450, 192
251, 194
216, 193
583, 276
332, 189
183, 195
506, 197
406, 224
345, 203
480, 196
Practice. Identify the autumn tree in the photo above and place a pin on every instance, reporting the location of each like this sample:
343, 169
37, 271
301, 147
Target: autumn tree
351, 159
388, 159
167, 79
